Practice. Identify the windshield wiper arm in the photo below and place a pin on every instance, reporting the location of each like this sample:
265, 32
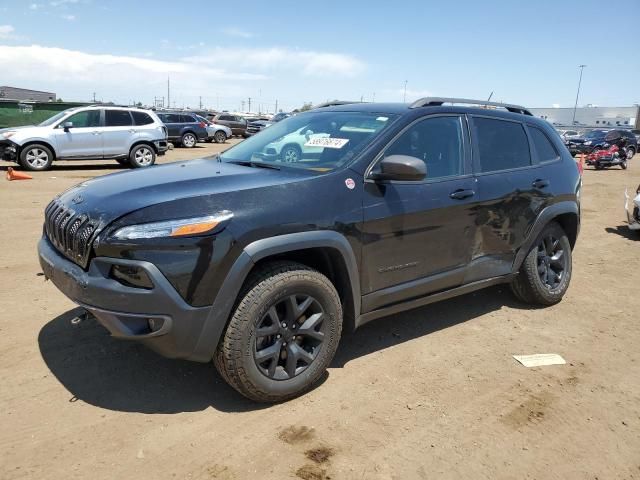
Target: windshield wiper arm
253, 163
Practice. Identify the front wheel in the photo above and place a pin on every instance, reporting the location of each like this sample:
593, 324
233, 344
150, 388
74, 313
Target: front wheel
220, 136
142, 156
36, 157
545, 273
283, 333
291, 153
189, 140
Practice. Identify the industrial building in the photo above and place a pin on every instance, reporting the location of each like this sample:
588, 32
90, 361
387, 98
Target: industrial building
591, 117
24, 94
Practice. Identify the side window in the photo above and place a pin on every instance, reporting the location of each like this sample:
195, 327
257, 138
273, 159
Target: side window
544, 148
117, 118
226, 118
172, 118
86, 119
437, 142
186, 119
141, 118
502, 145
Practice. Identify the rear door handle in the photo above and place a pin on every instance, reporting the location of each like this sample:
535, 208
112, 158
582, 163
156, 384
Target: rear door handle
462, 194
539, 183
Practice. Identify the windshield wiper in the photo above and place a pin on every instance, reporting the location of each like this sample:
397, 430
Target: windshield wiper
253, 163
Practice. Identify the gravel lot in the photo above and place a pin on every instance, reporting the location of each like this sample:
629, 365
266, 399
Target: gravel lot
431, 393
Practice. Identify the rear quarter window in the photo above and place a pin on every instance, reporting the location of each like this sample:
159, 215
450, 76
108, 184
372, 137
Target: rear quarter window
501, 144
141, 118
544, 148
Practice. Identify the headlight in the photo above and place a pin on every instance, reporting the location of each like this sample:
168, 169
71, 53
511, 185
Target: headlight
8, 134
173, 228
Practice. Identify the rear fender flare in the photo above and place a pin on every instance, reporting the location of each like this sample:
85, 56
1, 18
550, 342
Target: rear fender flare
547, 215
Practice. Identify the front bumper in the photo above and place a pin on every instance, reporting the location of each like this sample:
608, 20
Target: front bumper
159, 318
8, 151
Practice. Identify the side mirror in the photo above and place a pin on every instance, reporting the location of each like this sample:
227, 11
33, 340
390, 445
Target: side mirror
400, 167
67, 126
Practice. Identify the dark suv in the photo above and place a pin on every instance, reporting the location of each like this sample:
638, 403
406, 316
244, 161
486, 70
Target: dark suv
595, 140
259, 261
236, 123
185, 129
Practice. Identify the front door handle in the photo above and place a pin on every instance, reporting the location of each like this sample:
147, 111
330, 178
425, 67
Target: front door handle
97, 132
132, 131
462, 194
539, 183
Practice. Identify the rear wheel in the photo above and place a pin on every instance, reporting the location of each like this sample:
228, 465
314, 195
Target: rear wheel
630, 152
36, 157
283, 334
142, 156
220, 136
546, 271
623, 165
189, 140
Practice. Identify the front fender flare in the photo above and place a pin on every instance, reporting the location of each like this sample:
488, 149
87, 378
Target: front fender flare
251, 254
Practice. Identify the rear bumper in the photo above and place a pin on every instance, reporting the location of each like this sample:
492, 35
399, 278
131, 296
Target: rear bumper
159, 318
161, 146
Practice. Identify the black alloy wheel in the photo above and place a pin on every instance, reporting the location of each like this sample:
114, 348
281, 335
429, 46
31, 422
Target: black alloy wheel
289, 337
552, 262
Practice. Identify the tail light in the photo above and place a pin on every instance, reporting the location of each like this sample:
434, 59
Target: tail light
203, 124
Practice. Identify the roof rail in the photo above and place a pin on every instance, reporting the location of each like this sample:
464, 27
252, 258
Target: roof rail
437, 101
334, 103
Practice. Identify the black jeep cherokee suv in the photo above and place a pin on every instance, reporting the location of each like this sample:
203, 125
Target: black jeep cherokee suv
259, 263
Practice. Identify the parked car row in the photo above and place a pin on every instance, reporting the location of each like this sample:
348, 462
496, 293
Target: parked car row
187, 129
594, 140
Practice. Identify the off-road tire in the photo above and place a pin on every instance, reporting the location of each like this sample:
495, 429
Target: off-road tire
234, 358
36, 157
528, 287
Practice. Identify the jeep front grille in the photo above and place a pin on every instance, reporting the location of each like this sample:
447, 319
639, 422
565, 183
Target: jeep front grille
69, 232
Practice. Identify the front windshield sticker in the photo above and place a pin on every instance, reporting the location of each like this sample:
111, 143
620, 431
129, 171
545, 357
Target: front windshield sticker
326, 142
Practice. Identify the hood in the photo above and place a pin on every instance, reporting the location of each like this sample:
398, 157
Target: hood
13, 129
112, 196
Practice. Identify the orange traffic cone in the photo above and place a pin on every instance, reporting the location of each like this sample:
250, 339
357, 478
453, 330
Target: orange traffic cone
13, 175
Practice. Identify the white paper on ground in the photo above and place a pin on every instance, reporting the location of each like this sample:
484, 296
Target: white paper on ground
540, 359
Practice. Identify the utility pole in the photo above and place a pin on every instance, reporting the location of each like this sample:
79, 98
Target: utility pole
242, 108
276, 106
581, 67
168, 92
404, 98
374, 97
94, 97
201, 102
249, 105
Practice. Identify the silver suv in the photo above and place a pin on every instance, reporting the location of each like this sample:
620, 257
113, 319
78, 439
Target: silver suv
131, 136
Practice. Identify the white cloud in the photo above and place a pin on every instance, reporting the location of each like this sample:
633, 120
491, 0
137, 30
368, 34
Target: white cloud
398, 94
70, 18
6, 32
237, 32
306, 62
61, 3
34, 6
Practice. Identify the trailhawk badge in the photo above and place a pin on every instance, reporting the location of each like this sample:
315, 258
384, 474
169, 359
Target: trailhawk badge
350, 183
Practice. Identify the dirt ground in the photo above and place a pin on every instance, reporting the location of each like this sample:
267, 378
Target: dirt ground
431, 393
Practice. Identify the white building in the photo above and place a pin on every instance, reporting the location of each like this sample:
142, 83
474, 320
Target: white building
603, 117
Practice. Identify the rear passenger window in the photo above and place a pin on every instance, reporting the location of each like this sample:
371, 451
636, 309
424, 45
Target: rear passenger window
226, 118
437, 142
545, 150
141, 118
172, 118
186, 119
502, 145
117, 118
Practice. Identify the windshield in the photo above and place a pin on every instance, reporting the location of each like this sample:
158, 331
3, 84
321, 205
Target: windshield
594, 134
55, 118
319, 141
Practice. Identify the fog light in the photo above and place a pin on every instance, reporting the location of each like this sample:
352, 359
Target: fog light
155, 324
131, 276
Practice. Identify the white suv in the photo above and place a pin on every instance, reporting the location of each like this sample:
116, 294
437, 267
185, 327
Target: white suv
132, 136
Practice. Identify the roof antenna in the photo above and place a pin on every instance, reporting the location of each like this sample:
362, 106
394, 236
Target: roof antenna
491, 95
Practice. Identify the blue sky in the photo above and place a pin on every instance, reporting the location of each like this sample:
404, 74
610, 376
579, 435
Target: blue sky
293, 51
